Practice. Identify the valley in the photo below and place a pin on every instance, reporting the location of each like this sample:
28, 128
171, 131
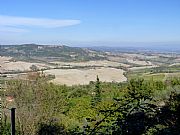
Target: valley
74, 66
76, 90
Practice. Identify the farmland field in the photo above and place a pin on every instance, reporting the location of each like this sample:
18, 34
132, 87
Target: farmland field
77, 76
73, 66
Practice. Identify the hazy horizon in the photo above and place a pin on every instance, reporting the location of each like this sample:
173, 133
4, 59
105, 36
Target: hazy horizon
165, 45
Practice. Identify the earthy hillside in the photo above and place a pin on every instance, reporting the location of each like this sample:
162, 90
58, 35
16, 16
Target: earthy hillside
28, 52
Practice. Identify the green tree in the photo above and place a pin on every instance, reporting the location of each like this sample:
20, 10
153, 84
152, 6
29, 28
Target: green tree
96, 95
37, 102
34, 68
130, 114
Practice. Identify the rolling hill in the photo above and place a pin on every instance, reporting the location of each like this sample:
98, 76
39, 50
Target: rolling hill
29, 52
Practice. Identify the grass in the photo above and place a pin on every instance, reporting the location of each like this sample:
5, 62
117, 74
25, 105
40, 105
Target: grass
146, 76
157, 74
155, 77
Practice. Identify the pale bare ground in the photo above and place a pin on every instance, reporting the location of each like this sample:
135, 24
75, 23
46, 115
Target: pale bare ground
143, 67
175, 64
75, 76
143, 63
4, 59
132, 55
6, 65
118, 60
104, 63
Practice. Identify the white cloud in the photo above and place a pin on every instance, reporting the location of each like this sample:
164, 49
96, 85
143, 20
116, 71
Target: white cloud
11, 23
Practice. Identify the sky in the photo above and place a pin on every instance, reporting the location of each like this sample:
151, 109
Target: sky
90, 22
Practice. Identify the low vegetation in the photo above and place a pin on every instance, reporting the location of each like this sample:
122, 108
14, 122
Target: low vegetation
135, 107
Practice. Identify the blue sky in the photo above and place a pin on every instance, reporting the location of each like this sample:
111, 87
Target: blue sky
90, 22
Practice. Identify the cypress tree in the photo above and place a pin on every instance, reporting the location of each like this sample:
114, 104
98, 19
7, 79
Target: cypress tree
97, 93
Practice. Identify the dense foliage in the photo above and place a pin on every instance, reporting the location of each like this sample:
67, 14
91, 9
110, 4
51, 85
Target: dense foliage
133, 108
